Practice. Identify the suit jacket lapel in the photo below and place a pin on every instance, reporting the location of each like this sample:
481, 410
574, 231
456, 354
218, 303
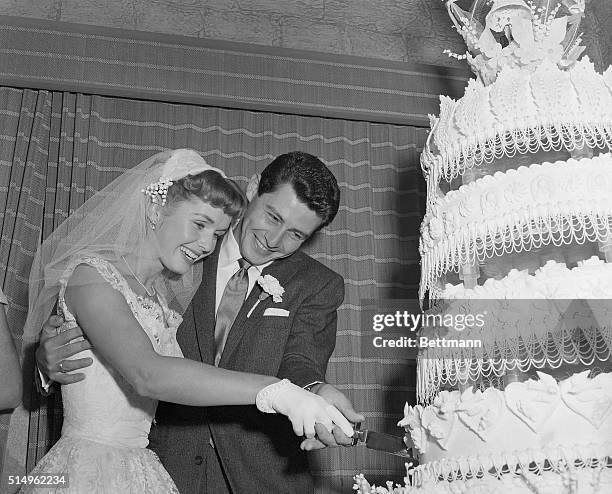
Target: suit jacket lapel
282, 270
204, 308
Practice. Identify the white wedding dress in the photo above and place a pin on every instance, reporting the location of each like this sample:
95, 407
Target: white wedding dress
103, 447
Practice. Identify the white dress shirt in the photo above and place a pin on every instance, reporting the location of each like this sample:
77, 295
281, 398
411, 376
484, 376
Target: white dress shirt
228, 265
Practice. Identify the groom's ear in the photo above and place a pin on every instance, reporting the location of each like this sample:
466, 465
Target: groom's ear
253, 185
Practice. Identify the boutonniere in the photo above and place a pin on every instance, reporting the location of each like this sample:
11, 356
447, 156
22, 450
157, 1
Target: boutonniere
270, 287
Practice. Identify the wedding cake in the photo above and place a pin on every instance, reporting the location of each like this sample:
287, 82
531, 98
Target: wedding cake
518, 227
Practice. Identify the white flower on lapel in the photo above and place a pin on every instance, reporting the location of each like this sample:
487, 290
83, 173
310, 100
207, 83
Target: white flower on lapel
270, 286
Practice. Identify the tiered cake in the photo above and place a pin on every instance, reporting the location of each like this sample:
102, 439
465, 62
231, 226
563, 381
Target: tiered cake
519, 206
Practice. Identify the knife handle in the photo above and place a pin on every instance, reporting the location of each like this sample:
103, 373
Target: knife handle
358, 434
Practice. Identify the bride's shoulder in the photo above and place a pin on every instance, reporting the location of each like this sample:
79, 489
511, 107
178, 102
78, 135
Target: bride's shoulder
90, 270
98, 285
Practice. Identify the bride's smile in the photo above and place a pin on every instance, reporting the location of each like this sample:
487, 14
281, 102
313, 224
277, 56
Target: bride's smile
187, 232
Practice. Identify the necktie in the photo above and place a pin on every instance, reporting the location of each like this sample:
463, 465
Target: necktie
231, 301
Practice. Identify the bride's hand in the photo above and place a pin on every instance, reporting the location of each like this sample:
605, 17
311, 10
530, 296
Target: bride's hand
302, 407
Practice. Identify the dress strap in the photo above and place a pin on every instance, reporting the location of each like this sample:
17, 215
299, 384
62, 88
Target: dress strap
155, 318
105, 269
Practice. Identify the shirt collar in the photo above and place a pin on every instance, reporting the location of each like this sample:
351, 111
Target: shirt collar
230, 252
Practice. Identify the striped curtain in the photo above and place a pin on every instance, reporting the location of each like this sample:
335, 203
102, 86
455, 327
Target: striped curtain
57, 149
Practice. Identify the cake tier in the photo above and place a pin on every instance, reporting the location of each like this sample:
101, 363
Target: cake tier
523, 111
584, 480
465, 434
590, 279
556, 316
517, 210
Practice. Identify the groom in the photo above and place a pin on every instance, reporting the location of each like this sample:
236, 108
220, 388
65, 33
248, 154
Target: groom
237, 449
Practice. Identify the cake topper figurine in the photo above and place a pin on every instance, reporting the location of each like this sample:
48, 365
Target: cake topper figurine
517, 33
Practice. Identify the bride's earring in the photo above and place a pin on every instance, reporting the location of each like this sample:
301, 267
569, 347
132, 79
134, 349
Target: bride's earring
153, 215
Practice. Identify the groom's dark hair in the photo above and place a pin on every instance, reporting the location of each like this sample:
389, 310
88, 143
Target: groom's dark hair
311, 180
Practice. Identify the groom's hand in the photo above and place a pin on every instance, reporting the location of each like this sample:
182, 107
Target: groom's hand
325, 438
54, 351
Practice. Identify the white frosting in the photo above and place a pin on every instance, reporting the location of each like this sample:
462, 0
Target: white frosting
528, 421
510, 211
551, 322
590, 279
522, 111
561, 481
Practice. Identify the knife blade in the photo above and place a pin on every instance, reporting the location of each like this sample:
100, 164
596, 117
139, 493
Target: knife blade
387, 443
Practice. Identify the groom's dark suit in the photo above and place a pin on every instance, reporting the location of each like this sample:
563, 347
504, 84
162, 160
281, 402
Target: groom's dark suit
258, 452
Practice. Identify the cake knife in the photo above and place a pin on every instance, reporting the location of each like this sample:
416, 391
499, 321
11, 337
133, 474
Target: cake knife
387, 443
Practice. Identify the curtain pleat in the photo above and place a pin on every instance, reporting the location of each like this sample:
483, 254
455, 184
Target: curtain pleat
57, 149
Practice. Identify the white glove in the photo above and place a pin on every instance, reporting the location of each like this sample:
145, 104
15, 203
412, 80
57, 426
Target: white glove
302, 407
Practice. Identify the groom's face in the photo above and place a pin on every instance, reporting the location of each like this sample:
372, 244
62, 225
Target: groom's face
275, 225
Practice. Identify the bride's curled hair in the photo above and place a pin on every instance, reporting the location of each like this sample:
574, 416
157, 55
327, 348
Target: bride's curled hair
210, 187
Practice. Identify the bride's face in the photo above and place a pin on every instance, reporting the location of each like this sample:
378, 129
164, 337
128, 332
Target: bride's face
188, 231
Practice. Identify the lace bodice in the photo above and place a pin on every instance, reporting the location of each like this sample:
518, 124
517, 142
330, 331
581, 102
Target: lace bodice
104, 407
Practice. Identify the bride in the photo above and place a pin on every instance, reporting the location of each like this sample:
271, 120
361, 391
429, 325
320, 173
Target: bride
123, 267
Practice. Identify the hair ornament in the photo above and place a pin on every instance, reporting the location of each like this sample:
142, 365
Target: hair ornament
178, 164
158, 191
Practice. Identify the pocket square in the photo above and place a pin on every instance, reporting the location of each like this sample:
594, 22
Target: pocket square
275, 311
